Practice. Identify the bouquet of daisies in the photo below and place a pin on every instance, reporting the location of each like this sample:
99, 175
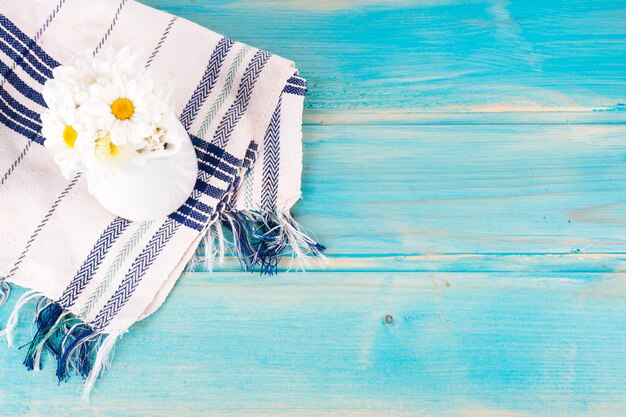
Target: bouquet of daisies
106, 114
107, 118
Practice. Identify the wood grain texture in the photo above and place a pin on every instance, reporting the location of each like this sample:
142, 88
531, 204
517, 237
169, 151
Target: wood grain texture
465, 164
437, 55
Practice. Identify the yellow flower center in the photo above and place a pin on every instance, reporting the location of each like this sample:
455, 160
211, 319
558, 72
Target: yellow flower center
69, 136
113, 149
123, 109
105, 149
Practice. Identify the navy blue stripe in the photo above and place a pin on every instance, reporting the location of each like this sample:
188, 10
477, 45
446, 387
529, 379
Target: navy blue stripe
20, 129
296, 85
214, 171
215, 161
17, 106
110, 30
210, 148
251, 153
47, 59
208, 81
19, 118
242, 99
20, 85
30, 43
208, 189
134, 275
199, 205
297, 81
190, 212
247, 163
186, 222
212, 160
26, 53
271, 161
19, 59
13, 39
290, 89
91, 265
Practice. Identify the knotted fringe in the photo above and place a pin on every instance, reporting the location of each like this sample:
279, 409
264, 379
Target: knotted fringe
73, 343
259, 240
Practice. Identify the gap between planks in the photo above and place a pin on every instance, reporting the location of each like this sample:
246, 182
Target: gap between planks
574, 262
608, 116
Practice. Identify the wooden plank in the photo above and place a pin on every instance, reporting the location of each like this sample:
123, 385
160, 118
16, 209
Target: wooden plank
359, 344
456, 189
438, 55
465, 166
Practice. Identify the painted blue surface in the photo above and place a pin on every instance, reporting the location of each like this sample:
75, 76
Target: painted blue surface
465, 165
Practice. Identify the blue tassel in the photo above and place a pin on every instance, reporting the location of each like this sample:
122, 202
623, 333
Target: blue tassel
72, 342
79, 354
47, 320
242, 242
257, 243
261, 240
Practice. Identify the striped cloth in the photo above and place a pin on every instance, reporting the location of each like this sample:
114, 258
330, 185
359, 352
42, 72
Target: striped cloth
242, 108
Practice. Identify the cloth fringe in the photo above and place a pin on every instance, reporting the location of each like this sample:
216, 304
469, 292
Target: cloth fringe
5, 291
13, 320
74, 344
259, 240
101, 364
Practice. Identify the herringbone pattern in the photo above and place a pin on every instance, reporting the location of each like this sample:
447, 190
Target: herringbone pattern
238, 108
23, 58
134, 275
208, 82
114, 268
213, 162
89, 268
271, 162
228, 86
31, 44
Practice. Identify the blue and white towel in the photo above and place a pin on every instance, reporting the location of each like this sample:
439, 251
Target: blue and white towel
93, 274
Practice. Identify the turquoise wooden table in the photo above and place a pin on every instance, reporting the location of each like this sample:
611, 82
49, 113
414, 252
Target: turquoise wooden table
465, 163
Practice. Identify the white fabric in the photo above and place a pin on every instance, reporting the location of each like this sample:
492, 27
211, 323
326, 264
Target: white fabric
53, 234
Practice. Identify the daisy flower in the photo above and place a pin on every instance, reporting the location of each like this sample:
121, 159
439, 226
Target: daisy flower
106, 115
66, 136
72, 82
127, 108
125, 62
105, 158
